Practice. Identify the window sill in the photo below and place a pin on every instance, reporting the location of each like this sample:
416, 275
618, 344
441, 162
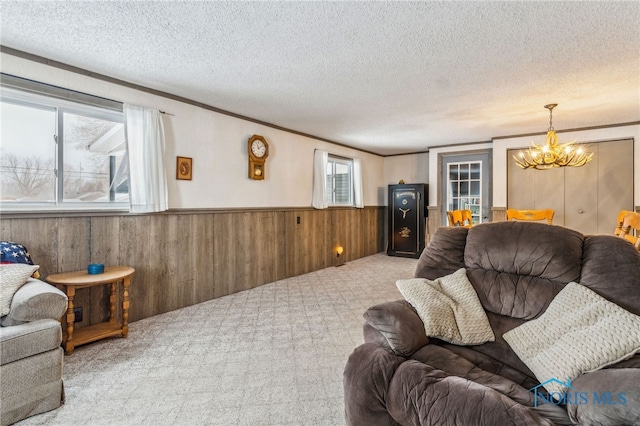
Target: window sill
23, 212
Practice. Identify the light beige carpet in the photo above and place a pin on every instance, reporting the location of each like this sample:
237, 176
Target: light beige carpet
273, 355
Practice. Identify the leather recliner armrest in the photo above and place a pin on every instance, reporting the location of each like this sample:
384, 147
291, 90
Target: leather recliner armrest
398, 324
606, 397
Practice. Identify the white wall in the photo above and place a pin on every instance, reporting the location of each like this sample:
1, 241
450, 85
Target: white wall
412, 168
218, 145
500, 156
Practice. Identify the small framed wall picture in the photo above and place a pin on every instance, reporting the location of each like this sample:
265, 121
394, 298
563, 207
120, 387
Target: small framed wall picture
184, 167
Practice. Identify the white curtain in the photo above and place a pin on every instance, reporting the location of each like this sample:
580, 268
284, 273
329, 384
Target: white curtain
357, 184
147, 176
320, 160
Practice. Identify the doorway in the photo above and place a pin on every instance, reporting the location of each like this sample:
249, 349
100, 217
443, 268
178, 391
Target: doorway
466, 183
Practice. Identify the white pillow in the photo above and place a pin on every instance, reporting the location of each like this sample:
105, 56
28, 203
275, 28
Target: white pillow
12, 277
449, 308
579, 332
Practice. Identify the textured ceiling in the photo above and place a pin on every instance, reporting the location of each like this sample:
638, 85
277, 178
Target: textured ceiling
387, 77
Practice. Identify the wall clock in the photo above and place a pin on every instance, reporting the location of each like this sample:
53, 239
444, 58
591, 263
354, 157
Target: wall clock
258, 152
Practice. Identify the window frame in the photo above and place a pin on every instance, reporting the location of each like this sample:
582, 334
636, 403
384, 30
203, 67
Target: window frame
31, 94
333, 160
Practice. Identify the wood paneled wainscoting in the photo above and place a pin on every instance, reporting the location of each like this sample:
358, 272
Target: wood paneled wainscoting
186, 257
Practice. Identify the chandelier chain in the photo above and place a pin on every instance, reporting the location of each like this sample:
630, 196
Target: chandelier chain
550, 107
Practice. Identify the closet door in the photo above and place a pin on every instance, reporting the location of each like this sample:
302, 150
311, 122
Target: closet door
581, 194
549, 192
586, 198
520, 188
615, 182
535, 189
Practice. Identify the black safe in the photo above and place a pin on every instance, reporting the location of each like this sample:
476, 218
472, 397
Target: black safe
407, 215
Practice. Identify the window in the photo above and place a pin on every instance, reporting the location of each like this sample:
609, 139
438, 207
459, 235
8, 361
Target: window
57, 153
339, 177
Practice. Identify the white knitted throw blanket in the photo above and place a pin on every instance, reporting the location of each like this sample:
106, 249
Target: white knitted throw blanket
449, 308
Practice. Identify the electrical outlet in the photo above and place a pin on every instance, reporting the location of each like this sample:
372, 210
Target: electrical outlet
77, 314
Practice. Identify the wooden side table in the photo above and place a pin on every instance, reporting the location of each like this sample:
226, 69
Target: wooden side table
70, 281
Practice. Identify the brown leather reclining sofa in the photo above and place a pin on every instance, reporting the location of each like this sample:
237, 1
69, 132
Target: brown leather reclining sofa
399, 376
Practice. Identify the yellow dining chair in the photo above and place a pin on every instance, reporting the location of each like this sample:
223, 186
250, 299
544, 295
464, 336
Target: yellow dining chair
630, 222
619, 221
460, 218
546, 214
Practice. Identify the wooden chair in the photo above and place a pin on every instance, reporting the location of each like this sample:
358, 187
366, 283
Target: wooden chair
619, 221
514, 214
631, 221
459, 217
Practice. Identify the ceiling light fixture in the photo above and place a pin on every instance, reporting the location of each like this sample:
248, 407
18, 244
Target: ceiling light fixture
552, 154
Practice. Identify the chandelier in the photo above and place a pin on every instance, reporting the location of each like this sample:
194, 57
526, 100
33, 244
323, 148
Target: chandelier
552, 154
